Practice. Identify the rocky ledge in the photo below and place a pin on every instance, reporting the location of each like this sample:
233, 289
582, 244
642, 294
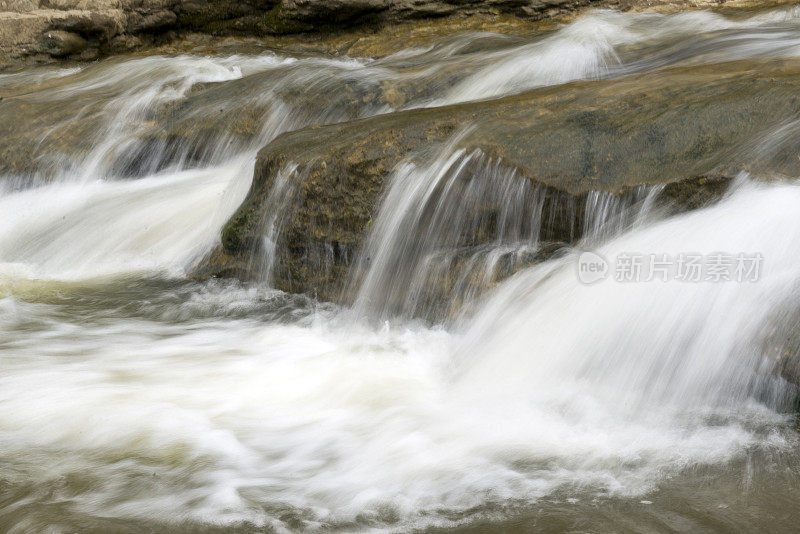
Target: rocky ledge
40, 31
690, 129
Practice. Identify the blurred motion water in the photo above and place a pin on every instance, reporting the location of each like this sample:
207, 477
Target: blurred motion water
133, 398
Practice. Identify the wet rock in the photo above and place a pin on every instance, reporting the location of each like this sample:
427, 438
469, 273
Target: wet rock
366, 26
687, 128
214, 116
90, 54
152, 22
36, 149
124, 43
59, 43
779, 342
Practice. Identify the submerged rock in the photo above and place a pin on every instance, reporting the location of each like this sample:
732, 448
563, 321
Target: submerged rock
687, 128
37, 149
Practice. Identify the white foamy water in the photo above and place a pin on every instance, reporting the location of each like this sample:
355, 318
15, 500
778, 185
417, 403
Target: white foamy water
662, 343
428, 219
608, 43
162, 223
88, 223
603, 390
131, 398
132, 90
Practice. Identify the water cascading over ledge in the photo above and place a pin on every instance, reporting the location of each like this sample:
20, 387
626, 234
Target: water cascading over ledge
449, 230
682, 129
445, 230
552, 403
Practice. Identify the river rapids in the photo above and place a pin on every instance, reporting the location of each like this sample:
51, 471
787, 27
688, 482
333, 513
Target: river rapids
136, 398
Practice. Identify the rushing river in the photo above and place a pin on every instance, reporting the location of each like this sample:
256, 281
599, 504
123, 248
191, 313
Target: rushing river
136, 399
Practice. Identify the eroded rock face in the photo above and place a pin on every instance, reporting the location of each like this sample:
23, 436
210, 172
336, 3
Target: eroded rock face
28, 32
59, 43
276, 17
690, 129
113, 26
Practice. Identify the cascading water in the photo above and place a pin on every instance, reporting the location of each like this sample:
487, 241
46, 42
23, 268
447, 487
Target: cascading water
531, 398
430, 230
453, 227
71, 229
693, 343
610, 44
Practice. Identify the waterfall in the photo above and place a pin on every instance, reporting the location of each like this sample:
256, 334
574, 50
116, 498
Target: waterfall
448, 223
505, 354
643, 345
90, 219
121, 99
554, 390
453, 227
158, 224
282, 198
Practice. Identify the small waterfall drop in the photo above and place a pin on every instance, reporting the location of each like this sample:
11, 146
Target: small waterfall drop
137, 204
453, 227
640, 345
282, 198
159, 224
483, 383
442, 232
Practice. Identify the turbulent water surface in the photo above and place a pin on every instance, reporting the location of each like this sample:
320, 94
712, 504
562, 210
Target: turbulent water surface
133, 399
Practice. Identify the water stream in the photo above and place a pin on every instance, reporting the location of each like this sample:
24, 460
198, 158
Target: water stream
135, 399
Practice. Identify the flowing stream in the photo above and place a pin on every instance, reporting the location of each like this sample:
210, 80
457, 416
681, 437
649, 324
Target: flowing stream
134, 398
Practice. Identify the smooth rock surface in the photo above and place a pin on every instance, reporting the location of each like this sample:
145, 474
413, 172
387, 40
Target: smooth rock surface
612, 136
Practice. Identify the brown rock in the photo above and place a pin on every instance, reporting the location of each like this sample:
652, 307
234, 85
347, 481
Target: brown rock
673, 127
124, 43
104, 25
59, 43
19, 6
160, 20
